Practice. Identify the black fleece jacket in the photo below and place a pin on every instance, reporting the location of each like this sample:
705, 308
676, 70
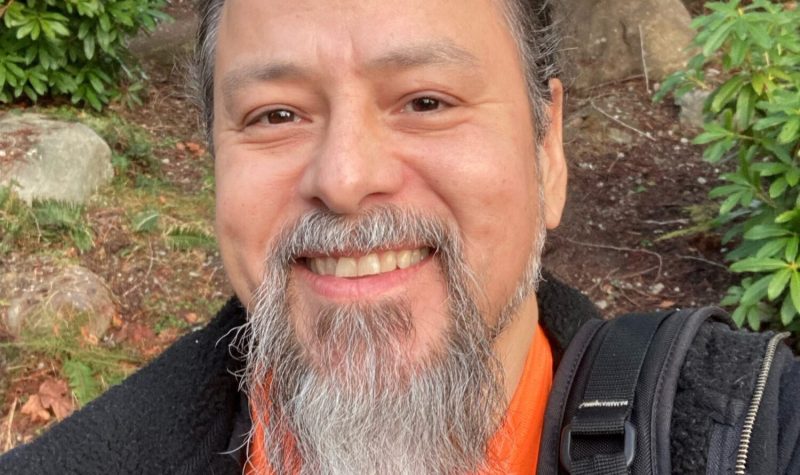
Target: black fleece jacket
179, 414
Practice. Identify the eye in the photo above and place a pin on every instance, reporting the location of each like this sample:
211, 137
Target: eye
277, 117
425, 104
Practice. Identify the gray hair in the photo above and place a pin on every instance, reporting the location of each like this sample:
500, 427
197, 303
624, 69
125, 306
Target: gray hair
530, 21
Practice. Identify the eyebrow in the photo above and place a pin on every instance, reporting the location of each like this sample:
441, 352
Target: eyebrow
427, 54
408, 57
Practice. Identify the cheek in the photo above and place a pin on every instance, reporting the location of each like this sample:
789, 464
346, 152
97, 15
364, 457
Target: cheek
489, 186
252, 203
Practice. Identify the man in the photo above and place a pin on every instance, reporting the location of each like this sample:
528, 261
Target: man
385, 172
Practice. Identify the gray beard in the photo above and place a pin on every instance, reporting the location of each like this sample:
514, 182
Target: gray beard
346, 398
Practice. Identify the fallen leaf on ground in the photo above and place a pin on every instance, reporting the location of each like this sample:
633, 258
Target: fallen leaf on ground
191, 318
88, 336
116, 321
666, 304
195, 148
54, 394
33, 408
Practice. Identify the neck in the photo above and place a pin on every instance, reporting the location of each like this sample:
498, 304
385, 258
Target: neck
513, 344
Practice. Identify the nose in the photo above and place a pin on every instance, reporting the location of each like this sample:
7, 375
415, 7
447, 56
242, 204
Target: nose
352, 166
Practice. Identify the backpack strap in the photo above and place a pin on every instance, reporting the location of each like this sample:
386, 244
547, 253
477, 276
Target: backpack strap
610, 408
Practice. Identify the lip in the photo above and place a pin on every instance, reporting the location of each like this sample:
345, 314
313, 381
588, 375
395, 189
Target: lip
349, 289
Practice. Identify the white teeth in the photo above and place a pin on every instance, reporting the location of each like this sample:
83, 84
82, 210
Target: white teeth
370, 264
388, 261
314, 264
330, 266
346, 267
403, 259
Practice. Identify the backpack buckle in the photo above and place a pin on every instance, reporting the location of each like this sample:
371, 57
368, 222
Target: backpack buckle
629, 445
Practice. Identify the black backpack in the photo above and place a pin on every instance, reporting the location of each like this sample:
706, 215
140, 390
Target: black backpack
611, 403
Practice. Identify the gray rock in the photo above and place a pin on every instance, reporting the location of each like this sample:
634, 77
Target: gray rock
170, 45
44, 296
50, 159
691, 105
603, 41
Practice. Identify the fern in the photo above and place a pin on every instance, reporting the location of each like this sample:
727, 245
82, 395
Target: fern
81, 381
185, 237
59, 220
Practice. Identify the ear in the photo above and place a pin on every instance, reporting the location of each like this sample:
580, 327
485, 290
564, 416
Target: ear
552, 163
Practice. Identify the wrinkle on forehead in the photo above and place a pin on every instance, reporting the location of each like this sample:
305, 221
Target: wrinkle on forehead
442, 52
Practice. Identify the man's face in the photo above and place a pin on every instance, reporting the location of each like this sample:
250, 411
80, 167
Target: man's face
352, 105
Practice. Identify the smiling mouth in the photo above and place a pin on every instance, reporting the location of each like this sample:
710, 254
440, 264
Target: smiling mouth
370, 264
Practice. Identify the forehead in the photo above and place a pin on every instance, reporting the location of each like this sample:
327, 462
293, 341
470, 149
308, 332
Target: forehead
362, 32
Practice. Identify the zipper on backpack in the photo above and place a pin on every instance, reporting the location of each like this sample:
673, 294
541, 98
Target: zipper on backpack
755, 403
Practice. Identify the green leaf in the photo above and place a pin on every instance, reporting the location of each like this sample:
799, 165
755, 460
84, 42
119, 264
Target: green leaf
25, 30
770, 121
754, 318
778, 187
93, 100
96, 83
772, 247
726, 92
778, 283
668, 85
59, 28
145, 221
105, 23
756, 291
763, 231
738, 51
759, 81
789, 132
716, 39
88, 47
81, 381
788, 311
712, 132
770, 169
745, 108
739, 315
792, 247
755, 264
725, 190
730, 202
715, 152
792, 176
787, 216
794, 289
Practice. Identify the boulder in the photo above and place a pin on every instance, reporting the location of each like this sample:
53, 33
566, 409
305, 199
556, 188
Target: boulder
691, 105
47, 297
50, 159
170, 45
604, 40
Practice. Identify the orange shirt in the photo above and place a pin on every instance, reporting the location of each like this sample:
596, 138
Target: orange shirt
515, 447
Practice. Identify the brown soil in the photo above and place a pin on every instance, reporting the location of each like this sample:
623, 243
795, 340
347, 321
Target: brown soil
633, 178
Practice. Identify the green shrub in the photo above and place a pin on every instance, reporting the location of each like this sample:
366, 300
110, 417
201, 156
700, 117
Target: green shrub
753, 125
74, 48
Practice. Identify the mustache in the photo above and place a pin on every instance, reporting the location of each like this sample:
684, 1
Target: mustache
322, 232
